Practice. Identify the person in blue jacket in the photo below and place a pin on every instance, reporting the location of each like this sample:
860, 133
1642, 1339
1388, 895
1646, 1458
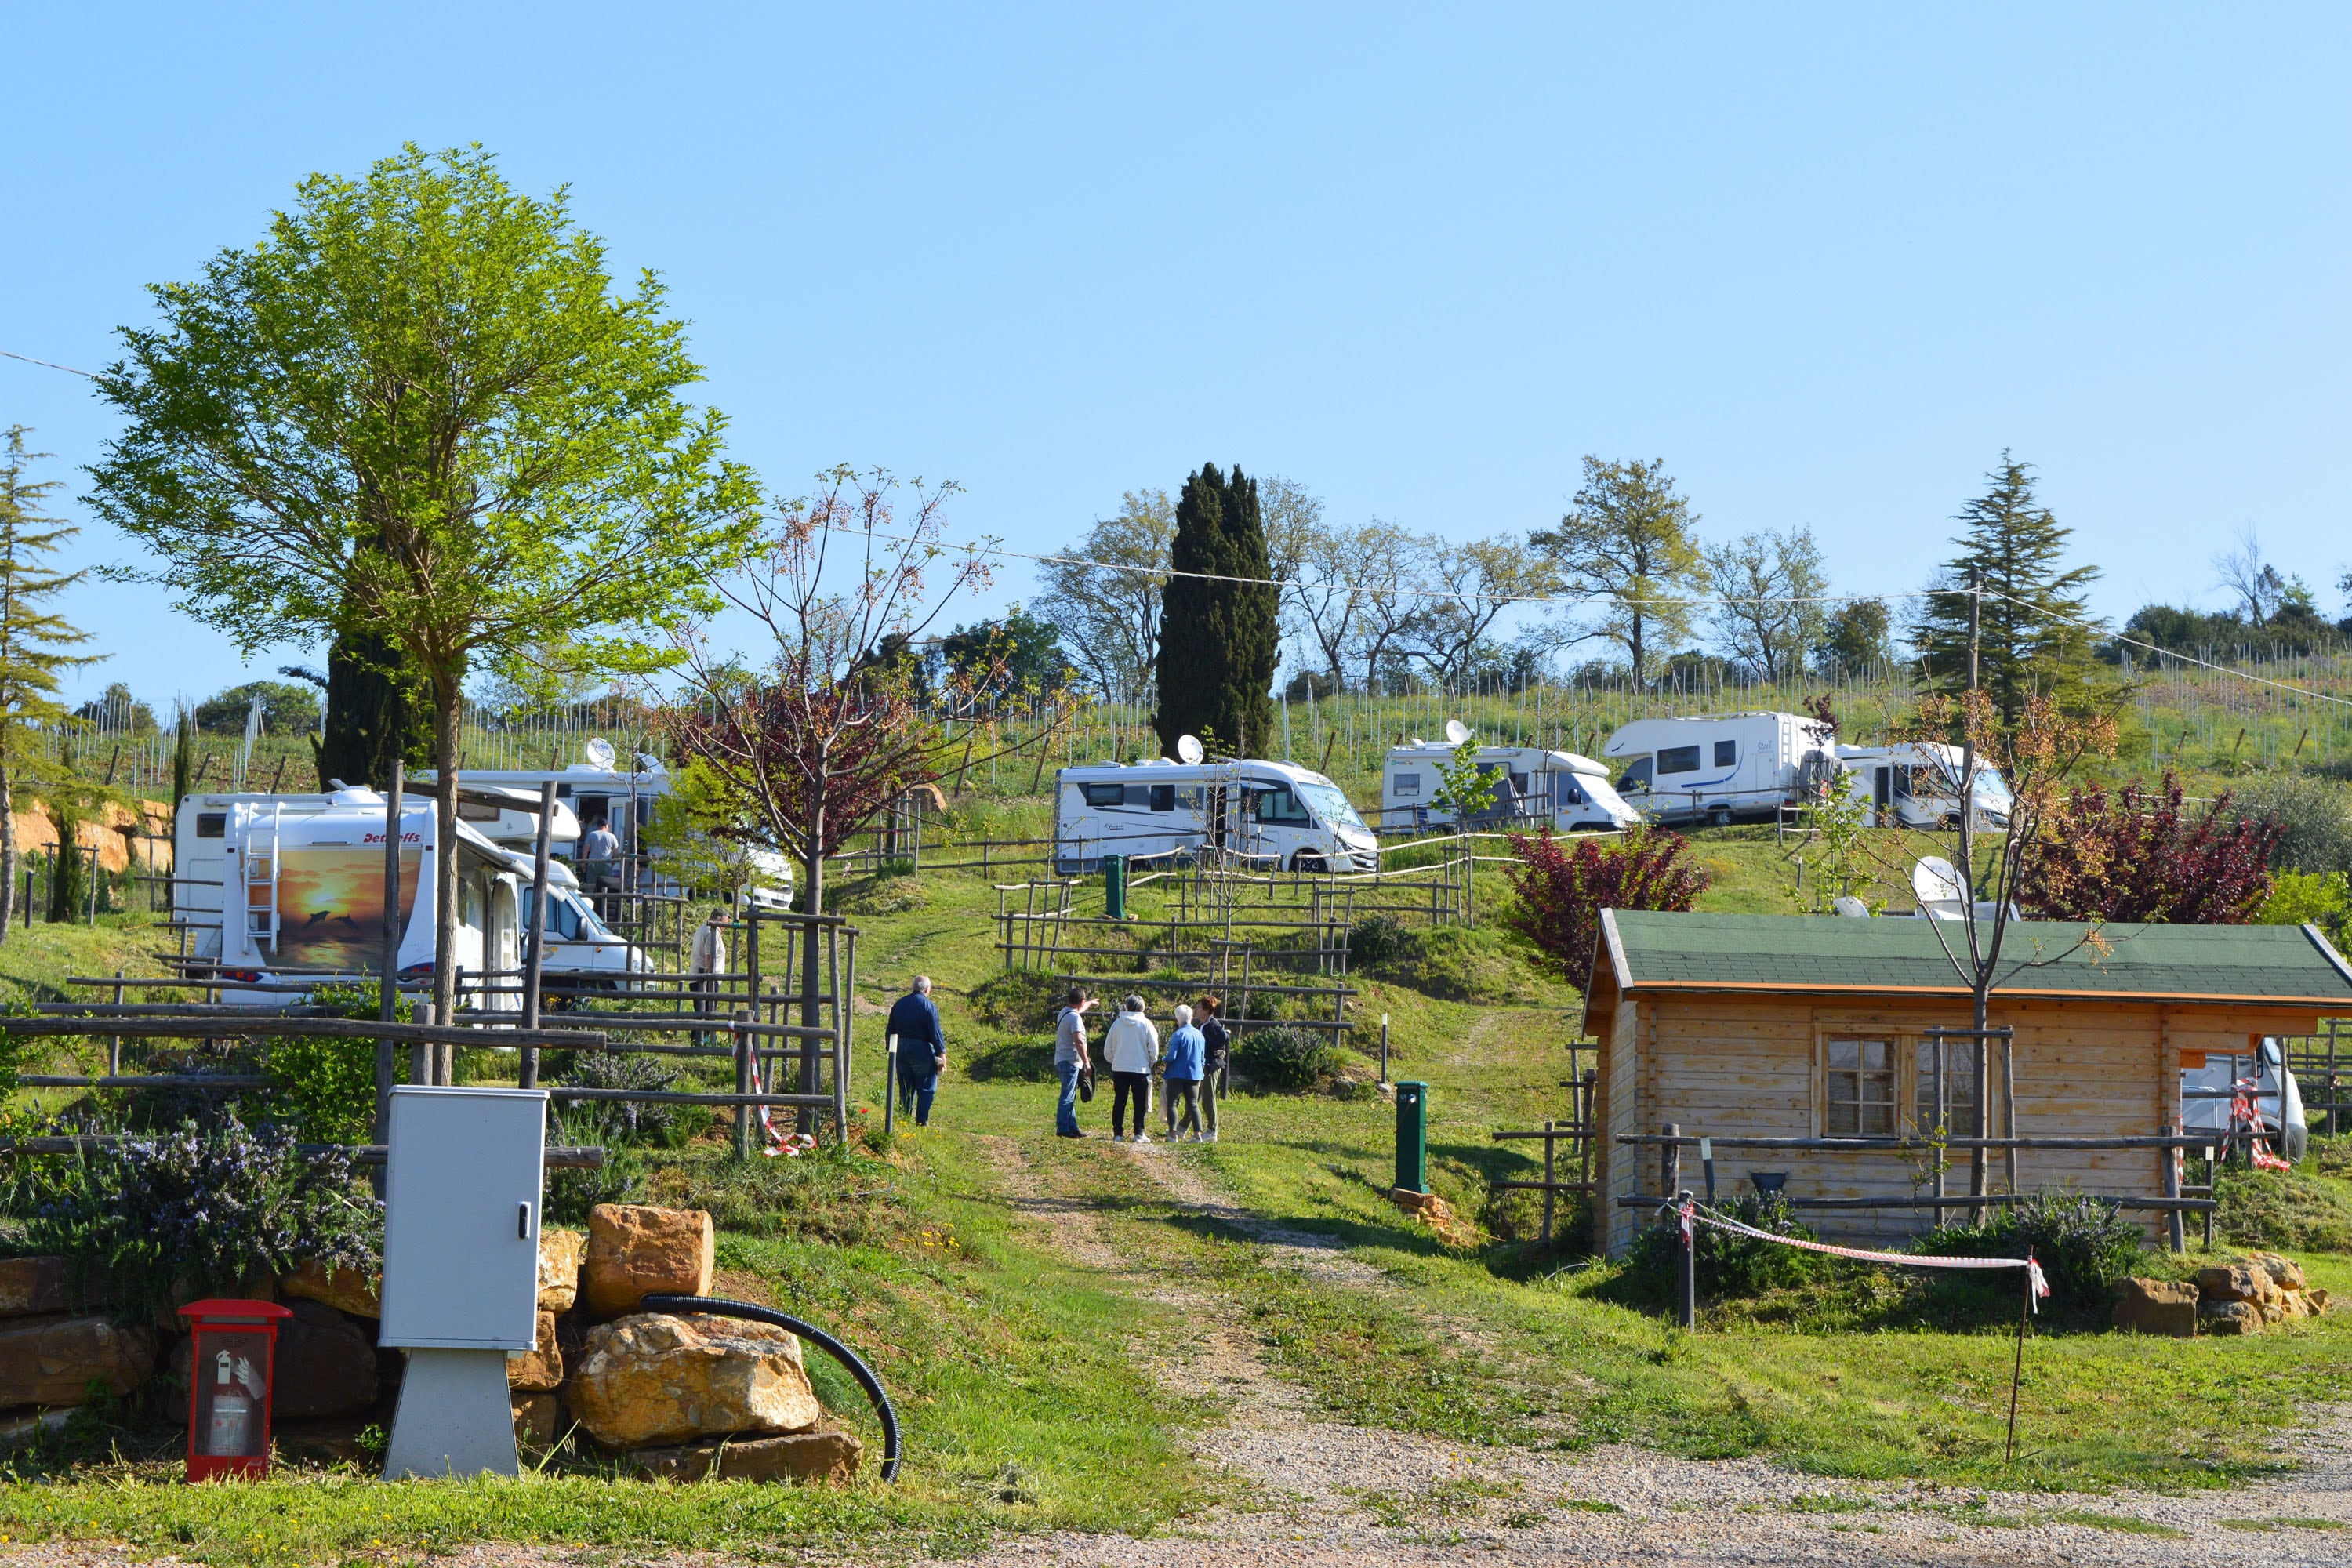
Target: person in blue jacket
922, 1049
1187, 1056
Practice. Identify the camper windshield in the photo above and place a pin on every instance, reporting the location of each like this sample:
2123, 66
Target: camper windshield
1992, 790
1330, 807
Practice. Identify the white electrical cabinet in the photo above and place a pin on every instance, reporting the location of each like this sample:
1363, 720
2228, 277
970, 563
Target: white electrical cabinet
461, 1218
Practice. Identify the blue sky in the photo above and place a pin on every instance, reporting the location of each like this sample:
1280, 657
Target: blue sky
1827, 262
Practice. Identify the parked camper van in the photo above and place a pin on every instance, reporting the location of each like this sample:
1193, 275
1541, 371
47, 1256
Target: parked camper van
1722, 768
1273, 811
581, 949
292, 886
1917, 785
1530, 784
2207, 1092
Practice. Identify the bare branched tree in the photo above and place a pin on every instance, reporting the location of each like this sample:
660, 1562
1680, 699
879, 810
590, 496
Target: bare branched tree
1108, 615
1482, 579
1772, 583
2255, 582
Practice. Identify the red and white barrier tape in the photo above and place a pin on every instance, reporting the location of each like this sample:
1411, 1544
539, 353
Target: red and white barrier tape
1704, 1216
776, 1141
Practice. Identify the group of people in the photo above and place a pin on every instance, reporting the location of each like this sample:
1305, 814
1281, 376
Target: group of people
1194, 1067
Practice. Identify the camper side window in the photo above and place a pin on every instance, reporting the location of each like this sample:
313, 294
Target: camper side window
1861, 1099
1408, 786
1137, 794
1959, 1116
1163, 797
1726, 753
1279, 805
212, 824
477, 811
1104, 794
1678, 760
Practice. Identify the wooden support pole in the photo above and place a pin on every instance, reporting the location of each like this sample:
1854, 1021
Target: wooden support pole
2169, 1161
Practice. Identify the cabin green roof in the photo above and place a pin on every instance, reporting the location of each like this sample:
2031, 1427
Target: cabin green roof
1645, 950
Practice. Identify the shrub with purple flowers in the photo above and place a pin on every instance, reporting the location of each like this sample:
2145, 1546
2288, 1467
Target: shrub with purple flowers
203, 1209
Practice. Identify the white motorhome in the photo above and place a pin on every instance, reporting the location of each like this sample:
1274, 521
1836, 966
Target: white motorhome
2209, 1092
1274, 812
1918, 784
292, 887
579, 949
1723, 767
1530, 784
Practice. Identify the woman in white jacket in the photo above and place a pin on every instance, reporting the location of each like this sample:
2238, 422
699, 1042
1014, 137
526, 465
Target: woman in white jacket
1131, 1045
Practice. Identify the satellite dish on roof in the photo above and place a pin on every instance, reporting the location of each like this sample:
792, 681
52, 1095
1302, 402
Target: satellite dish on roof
599, 753
1456, 731
1850, 907
1188, 747
1934, 882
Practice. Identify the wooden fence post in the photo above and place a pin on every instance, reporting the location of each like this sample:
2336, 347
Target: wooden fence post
2171, 1172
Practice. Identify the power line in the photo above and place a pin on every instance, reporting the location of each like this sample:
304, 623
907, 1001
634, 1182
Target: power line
51, 364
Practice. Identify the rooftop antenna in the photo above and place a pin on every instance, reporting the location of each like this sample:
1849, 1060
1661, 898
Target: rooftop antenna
1456, 731
1188, 748
599, 753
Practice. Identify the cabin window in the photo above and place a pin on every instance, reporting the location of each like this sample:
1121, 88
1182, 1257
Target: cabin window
1861, 1099
1104, 794
1408, 785
1636, 776
1519, 784
1959, 1117
1678, 760
1163, 797
1570, 791
212, 824
1726, 753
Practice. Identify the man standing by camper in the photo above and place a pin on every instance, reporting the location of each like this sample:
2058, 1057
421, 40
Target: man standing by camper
922, 1049
1071, 1063
600, 854
704, 963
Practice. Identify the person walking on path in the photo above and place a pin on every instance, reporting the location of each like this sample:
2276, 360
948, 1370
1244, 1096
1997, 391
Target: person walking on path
705, 961
1217, 1050
922, 1049
1130, 1044
1070, 1059
1186, 1050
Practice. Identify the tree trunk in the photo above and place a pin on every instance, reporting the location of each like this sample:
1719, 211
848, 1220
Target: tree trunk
812, 902
444, 855
1634, 647
7, 850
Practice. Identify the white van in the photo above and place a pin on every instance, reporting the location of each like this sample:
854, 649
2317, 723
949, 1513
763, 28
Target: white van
2207, 1092
1531, 786
581, 949
1274, 812
1718, 768
1918, 785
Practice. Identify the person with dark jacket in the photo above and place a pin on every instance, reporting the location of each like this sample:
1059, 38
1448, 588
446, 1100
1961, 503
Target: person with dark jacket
922, 1049
1217, 1053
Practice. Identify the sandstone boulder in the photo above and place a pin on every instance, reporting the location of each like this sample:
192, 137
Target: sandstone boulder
30, 1286
2285, 1272
821, 1456
2230, 1318
2317, 1297
2156, 1307
53, 1361
542, 1368
536, 1418
559, 1252
652, 1379
2235, 1282
357, 1291
635, 1251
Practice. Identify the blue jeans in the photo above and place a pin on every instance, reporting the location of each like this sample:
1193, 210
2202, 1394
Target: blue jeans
1065, 1114
914, 1095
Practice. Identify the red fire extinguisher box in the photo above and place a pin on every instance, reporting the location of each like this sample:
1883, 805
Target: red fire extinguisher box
228, 1387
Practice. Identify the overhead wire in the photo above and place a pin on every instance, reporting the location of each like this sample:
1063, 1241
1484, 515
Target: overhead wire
48, 364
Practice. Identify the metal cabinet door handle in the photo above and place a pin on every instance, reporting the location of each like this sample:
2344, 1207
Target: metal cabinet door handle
523, 1222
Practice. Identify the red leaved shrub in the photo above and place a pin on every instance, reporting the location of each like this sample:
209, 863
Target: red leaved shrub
1563, 890
2139, 857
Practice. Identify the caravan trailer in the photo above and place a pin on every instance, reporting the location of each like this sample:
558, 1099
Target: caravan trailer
1272, 812
1718, 768
1917, 785
1530, 784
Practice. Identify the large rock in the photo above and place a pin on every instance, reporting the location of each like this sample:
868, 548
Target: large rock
652, 1380
2156, 1307
542, 1368
2230, 1318
31, 1286
354, 1290
559, 1252
536, 1417
2236, 1282
2285, 1272
53, 1361
821, 1456
635, 1251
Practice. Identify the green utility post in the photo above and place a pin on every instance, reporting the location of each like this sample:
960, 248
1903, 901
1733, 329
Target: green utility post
1412, 1136
1115, 886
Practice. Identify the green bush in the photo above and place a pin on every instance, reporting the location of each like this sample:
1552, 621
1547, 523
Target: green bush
1282, 1058
1727, 1265
2316, 817
1375, 940
2084, 1246
611, 1121
1013, 1060
570, 1193
1019, 999
323, 1086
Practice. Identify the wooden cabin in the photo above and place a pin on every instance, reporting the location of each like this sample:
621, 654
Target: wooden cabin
1815, 1027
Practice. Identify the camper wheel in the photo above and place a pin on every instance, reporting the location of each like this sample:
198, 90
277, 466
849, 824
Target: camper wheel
1719, 817
1951, 823
1303, 861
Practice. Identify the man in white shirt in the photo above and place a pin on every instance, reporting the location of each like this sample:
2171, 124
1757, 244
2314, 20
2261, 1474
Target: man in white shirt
705, 961
1132, 1045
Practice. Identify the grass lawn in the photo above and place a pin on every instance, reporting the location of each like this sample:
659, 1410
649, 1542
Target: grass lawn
1024, 1366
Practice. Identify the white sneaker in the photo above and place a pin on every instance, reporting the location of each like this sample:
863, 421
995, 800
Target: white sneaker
1143, 1137
1209, 1138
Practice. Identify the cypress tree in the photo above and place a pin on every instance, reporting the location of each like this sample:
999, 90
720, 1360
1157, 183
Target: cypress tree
377, 714
1219, 641
2035, 636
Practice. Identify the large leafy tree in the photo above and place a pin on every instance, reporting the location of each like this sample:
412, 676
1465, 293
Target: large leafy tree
2033, 635
419, 409
1773, 586
1627, 540
1103, 595
1220, 626
34, 640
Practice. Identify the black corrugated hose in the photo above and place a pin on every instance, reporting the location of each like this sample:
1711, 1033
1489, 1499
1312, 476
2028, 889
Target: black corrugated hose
892, 1453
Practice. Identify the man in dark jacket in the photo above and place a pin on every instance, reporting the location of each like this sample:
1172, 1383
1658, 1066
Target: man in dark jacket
922, 1049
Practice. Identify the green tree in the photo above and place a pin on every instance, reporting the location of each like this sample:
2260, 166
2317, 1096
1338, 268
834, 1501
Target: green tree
1627, 540
33, 640
1773, 586
1221, 639
286, 707
420, 410
2035, 636
1858, 636
379, 715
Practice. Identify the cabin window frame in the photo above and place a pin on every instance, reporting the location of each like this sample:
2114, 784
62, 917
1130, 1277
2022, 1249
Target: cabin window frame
1913, 1077
1829, 1071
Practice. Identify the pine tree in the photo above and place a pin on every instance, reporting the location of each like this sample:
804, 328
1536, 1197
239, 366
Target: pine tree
2034, 636
1219, 641
32, 640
